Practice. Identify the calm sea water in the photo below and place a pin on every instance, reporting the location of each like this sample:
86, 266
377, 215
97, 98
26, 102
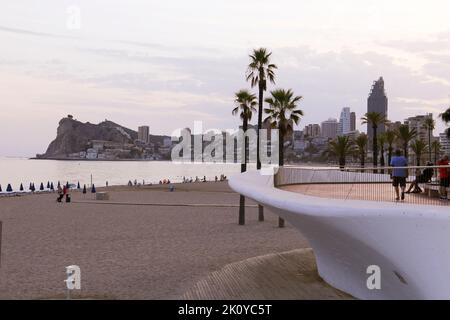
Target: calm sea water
20, 170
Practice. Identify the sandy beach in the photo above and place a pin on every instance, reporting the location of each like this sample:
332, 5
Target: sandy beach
145, 243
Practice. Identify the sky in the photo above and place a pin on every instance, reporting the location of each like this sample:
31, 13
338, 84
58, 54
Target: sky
169, 63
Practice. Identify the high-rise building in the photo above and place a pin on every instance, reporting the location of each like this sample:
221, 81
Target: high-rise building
445, 143
352, 121
377, 102
144, 134
417, 123
312, 130
330, 128
344, 122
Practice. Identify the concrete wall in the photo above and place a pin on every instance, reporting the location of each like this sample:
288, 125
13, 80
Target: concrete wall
410, 243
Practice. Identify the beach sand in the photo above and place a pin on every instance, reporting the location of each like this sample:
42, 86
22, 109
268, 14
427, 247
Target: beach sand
128, 247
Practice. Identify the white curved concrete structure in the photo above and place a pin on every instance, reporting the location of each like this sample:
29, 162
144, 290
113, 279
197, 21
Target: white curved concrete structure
410, 243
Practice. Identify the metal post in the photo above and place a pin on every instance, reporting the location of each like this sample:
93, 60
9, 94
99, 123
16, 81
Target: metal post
1, 226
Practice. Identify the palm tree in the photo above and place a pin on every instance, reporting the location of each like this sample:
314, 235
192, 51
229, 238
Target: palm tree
446, 118
282, 114
341, 147
245, 105
429, 124
390, 139
381, 143
375, 119
259, 71
361, 145
405, 135
436, 147
418, 147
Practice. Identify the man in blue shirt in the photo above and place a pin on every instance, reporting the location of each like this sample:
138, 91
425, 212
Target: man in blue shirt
399, 173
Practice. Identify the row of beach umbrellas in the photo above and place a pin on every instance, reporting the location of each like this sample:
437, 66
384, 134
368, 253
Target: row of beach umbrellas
50, 187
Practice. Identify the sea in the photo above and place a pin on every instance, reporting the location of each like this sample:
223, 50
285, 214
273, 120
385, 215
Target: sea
16, 171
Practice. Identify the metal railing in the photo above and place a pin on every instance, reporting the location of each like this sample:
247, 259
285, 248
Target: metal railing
423, 185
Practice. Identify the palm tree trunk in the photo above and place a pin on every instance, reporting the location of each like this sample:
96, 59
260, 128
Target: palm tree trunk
281, 163
342, 162
429, 144
375, 148
405, 150
243, 169
382, 163
258, 160
260, 112
390, 155
241, 210
280, 149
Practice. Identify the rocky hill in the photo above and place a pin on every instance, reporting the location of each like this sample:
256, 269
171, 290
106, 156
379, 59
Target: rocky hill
73, 136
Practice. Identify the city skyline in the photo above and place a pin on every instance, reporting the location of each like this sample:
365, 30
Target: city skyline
160, 66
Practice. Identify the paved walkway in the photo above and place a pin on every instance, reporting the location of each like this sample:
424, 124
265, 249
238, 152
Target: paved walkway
290, 275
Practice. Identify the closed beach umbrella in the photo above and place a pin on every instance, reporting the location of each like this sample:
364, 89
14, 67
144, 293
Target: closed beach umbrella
51, 186
93, 189
67, 184
78, 186
84, 189
59, 185
21, 187
41, 187
48, 184
1, 188
9, 188
31, 187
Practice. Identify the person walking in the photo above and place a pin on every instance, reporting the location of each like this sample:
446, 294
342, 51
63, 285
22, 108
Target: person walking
444, 177
399, 174
60, 193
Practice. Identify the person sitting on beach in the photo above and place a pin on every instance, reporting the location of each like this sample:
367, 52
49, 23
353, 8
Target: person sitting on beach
421, 177
160, 182
216, 179
60, 194
130, 184
204, 178
399, 175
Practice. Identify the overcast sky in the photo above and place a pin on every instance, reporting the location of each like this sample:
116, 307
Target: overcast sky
169, 63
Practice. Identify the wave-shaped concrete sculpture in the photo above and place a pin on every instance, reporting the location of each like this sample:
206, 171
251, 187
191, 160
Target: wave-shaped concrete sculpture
410, 243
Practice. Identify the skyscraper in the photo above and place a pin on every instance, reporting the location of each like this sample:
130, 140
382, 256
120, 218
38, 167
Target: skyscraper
352, 121
330, 128
144, 134
344, 122
377, 102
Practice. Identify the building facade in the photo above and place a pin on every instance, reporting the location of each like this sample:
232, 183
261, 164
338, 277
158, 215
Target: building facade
445, 143
312, 130
377, 102
144, 134
330, 128
352, 121
344, 122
